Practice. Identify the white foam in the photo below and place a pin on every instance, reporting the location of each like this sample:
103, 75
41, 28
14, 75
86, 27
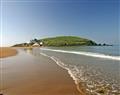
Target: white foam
86, 54
61, 64
77, 75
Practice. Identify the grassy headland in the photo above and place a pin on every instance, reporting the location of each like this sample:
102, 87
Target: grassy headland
67, 41
61, 41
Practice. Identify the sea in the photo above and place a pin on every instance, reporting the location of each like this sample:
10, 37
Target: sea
94, 68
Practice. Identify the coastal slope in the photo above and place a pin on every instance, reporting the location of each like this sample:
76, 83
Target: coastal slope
60, 41
67, 41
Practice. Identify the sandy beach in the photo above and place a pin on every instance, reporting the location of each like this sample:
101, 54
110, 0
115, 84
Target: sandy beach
7, 51
25, 74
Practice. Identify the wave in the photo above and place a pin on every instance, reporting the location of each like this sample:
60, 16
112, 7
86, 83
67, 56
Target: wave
61, 64
91, 54
73, 71
90, 82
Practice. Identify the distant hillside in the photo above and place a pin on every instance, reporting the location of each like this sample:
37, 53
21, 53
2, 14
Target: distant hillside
67, 41
61, 41
20, 45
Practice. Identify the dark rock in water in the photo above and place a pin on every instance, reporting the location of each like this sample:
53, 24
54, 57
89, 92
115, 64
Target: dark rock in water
107, 44
99, 44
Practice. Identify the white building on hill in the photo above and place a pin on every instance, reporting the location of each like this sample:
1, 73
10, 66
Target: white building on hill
37, 45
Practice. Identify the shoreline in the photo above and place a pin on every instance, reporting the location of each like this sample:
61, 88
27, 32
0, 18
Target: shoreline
90, 54
81, 89
43, 77
7, 52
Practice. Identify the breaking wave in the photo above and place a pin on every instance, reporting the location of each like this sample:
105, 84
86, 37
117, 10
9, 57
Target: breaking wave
98, 55
87, 78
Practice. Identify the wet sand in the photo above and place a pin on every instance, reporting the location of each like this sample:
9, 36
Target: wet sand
26, 74
7, 52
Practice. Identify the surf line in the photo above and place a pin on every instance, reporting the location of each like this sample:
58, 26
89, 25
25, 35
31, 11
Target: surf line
62, 65
86, 54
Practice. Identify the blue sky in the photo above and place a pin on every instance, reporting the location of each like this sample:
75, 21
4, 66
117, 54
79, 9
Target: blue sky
23, 20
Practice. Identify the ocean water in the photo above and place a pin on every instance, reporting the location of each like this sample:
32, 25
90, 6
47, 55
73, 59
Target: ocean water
95, 68
107, 50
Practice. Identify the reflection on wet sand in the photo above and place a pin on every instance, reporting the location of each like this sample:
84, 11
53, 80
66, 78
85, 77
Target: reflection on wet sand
26, 74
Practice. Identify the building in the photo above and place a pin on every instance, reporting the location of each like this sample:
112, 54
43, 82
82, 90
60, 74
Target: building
37, 45
41, 43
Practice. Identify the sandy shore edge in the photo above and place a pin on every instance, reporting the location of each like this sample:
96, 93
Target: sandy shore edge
43, 77
7, 52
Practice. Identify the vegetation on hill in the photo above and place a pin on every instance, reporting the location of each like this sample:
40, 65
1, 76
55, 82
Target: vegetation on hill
20, 45
67, 41
60, 41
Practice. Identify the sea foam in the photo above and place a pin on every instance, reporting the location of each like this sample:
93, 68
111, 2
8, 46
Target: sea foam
71, 71
91, 54
86, 77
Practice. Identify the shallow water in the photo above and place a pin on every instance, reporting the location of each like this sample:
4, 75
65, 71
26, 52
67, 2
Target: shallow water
26, 74
100, 76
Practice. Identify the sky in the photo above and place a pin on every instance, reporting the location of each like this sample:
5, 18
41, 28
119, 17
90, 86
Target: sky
23, 20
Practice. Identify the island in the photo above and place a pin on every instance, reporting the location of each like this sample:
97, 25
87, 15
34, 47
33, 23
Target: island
60, 41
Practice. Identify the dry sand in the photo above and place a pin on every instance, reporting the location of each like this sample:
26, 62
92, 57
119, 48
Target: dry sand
26, 74
7, 51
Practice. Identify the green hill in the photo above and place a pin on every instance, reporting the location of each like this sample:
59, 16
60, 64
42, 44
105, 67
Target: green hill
67, 41
60, 41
